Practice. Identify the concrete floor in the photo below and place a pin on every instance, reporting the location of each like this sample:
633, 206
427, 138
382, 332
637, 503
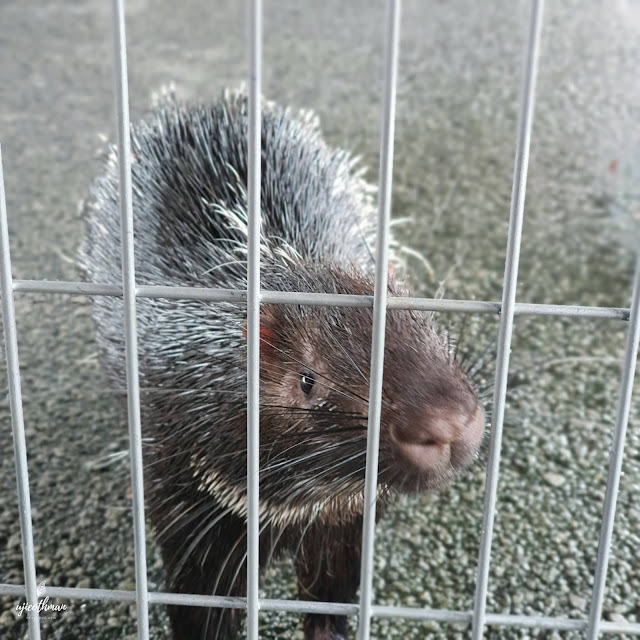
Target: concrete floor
457, 104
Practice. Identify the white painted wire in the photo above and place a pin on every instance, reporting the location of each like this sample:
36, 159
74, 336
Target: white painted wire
130, 327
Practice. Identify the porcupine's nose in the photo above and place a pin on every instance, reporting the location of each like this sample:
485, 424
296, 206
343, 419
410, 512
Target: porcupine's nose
427, 440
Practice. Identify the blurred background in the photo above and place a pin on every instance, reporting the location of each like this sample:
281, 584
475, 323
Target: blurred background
459, 81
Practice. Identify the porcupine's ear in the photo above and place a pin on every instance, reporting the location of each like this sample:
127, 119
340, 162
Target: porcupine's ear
391, 270
268, 336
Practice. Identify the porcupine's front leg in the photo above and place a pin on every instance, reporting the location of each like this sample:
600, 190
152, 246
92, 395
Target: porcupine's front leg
328, 567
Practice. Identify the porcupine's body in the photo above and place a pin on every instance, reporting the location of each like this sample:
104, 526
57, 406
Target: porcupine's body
189, 183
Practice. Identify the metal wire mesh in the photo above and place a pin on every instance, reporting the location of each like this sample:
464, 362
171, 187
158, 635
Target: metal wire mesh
508, 308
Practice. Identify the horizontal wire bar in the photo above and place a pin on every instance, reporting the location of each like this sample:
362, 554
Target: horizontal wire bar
73, 288
320, 299
328, 608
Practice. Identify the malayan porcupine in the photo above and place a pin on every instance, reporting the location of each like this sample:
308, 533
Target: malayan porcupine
189, 171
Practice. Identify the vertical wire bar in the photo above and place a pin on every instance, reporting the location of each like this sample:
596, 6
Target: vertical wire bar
525, 120
130, 327
615, 466
17, 419
379, 315
253, 315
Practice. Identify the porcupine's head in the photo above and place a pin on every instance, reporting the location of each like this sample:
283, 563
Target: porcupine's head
314, 388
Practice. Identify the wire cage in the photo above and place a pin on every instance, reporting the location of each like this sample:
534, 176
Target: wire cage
507, 309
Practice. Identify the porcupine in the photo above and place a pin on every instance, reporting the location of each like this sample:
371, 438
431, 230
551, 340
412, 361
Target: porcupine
189, 172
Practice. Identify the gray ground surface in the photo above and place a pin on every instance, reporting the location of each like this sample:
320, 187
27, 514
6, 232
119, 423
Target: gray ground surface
454, 152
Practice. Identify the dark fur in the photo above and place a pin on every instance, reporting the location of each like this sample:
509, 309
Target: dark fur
189, 178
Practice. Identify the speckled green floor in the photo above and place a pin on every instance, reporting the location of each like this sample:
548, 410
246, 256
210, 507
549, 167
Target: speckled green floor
454, 152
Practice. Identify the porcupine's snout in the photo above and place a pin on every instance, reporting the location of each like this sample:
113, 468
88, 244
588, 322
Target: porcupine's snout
431, 441
432, 422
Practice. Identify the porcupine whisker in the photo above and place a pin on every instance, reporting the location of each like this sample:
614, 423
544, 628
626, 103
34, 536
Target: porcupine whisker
195, 512
341, 463
329, 465
307, 587
177, 390
326, 446
360, 487
242, 560
293, 427
460, 334
220, 612
177, 454
203, 502
356, 441
304, 458
327, 452
323, 503
344, 482
316, 411
285, 451
200, 410
480, 330
477, 329
184, 549
348, 487
176, 509
479, 362
338, 389
386, 487
447, 334
219, 576
199, 537
274, 543
352, 425
263, 445
307, 437
294, 463
310, 485
304, 532
189, 426
485, 386
313, 485
233, 579
439, 294
351, 360
324, 432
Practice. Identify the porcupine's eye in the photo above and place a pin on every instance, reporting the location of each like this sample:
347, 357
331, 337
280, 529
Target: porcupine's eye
306, 381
